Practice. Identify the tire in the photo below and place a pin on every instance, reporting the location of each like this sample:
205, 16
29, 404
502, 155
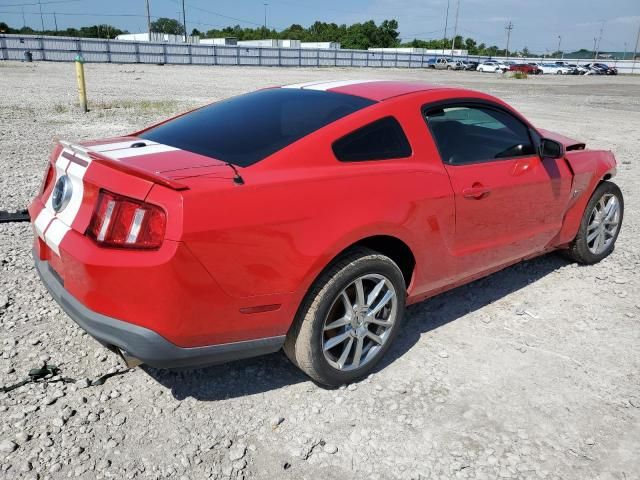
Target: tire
448, 67
308, 341
583, 249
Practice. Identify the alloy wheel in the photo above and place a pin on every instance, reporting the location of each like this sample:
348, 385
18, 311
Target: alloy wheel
359, 322
604, 223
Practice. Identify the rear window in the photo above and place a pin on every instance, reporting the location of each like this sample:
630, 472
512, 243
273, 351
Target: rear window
243, 130
381, 140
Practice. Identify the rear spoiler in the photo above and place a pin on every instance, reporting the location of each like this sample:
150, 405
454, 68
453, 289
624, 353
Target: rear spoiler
86, 154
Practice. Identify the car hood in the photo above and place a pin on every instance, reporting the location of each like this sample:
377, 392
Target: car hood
568, 143
156, 158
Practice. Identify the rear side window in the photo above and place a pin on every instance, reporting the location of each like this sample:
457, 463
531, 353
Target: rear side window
243, 130
381, 140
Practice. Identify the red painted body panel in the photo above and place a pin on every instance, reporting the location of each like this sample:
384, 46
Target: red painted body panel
232, 247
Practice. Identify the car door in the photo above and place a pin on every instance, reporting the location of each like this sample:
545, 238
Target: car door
509, 202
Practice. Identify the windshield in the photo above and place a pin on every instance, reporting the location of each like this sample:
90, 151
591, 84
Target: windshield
245, 129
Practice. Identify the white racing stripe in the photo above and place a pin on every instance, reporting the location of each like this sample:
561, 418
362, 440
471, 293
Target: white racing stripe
75, 173
42, 221
105, 147
327, 85
137, 152
55, 233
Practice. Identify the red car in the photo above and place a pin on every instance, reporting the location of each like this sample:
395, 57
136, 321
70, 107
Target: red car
306, 217
525, 68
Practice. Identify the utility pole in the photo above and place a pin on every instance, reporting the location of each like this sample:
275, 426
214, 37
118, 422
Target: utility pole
635, 51
148, 20
55, 21
508, 28
455, 28
446, 24
599, 41
265, 16
624, 55
24, 22
594, 48
559, 44
41, 17
184, 22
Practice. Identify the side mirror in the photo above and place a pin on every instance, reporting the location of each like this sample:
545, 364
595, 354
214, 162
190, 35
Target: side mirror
550, 149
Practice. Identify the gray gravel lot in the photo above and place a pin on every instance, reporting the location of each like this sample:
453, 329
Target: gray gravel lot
531, 373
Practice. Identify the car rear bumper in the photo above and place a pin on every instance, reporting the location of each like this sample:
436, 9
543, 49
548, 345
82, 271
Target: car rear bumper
144, 344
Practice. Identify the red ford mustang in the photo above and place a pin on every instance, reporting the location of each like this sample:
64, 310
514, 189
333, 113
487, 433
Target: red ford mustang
306, 217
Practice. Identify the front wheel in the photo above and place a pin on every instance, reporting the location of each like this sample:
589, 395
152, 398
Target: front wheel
348, 319
600, 225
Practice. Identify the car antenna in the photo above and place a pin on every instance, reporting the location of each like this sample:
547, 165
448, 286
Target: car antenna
237, 178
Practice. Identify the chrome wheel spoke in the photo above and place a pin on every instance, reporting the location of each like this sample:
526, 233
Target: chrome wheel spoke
383, 301
592, 235
341, 322
375, 338
337, 340
345, 353
347, 304
375, 292
358, 353
382, 323
360, 301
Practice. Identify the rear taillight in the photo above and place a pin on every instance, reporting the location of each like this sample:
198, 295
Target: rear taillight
123, 222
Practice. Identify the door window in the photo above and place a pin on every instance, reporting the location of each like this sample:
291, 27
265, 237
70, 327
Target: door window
474, 134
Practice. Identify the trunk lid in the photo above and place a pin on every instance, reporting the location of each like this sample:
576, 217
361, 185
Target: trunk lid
158, 159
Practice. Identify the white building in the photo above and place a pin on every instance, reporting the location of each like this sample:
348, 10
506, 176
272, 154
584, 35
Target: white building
219, 41
156, 37
321, 45
423, 51
270, 43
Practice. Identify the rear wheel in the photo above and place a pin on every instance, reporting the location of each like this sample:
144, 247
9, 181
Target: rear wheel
348, 319
600, 225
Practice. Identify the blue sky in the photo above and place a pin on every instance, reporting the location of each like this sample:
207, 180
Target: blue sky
537, 23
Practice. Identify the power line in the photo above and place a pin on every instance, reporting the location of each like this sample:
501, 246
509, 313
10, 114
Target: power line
37, 3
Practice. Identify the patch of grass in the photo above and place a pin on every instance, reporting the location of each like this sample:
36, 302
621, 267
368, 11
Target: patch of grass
60, 108
520, 75
162, 106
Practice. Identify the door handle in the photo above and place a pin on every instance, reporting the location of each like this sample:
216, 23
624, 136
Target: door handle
477, 191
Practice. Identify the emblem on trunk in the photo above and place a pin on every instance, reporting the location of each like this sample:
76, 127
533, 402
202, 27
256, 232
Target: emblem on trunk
61, 193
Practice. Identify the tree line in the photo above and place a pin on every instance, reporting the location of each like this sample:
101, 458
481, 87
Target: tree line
359, 36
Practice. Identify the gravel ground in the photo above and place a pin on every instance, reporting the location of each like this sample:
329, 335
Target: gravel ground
531, 373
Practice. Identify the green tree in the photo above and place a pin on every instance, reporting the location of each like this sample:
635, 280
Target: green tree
167, 25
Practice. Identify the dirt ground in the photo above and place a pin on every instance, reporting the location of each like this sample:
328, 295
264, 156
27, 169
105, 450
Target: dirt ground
531, 373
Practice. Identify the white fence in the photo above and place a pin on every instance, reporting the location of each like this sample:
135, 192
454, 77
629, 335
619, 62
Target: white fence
65, 49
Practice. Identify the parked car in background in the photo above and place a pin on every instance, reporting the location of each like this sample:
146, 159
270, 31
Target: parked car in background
552, 68
205, 238
527, 68
470, 64
492, 66
604, 68
444, 64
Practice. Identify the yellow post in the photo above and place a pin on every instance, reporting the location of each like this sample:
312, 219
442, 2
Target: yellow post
82, 89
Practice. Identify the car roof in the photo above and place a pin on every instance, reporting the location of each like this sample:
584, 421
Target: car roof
377, 90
